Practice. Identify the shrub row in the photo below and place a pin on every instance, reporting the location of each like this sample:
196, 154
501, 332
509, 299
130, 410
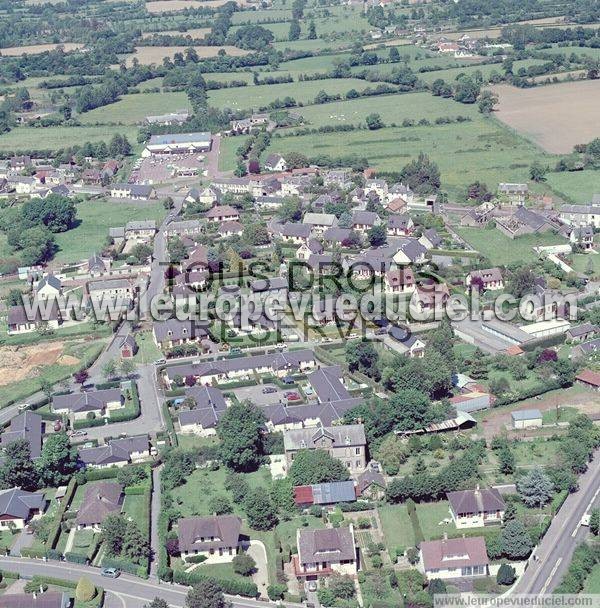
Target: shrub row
230, 586
56, 529
76, 558
125, 565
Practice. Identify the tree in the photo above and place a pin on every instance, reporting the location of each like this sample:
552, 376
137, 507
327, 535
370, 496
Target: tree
466, 90
177, 250
135, 546
127, 367
487, 101
141, 252
58, 460
243, 564
374, 122
157, 602
18, 469
260, 510
131, 475
290, 210
422, 175
537, 172
220, 505
114, 528
535, 488
341, 586
240, 433
85, 590
506, 575
595, 522
437, 586
312, 31
377, 235
55, 212
515, 540
205, 594
109, 369
506, 461
81, 376
294, 33
362, 356
316, 466
178, 466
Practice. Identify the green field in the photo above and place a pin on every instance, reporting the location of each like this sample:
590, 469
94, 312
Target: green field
132, 109
502, 250
575, 186
396, 526
391, 108
261, 95
55, 138
95, 218
227, 151
465, 152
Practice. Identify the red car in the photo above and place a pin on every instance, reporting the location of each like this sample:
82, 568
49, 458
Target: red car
292, 396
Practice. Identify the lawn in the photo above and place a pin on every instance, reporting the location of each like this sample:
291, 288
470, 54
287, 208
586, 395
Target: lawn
430, 515
286, 530
228, 151
136, 508
397, 528
83, 541
95, 218
55, 138
132, 109
502, 250
465, 152
575, 186
580, 262
221, 571
592, 583
565, 414
261, 95
147, 349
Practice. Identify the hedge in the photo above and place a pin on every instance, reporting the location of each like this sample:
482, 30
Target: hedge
99, 474
136, 490
534, 391
33, 553
125, 565
229, 586
105, 385
76, 558
56, 529
52, 580
349, 507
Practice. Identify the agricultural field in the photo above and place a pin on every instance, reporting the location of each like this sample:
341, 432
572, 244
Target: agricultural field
147, 55
94, 218
556, 117
36, 49
132, 109
167, 6
194, 33
575, 186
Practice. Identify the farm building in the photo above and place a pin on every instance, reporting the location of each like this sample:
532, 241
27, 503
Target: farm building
524, 419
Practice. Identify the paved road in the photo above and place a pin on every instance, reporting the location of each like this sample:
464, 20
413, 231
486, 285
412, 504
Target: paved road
125, 591
557, 546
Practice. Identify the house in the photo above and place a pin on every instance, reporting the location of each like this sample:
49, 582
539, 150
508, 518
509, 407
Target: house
136, 192
183, 228
209, 406
319, 222
47, 599
79, 405
523, 221
181, 143
581, 333
101, 499
370, 484
27, 426
364, 220
217, 538
275, 162
338, 236
327, 384
295, 233
230, 229
400, 225
18, 507
141, 230
409, 251
586, 349
406, 342
313, 247
581, 215
488, 279
174, 332
476, 508
430, 239
96, 266
233, 185
324, 552
173, 118
128, 347
515, 194
20, 322
111, 288
222, 213
378, 187
118, 452
582, 237
346, 442
589, 379
454, 558
434, 296
245, 125
523, 419
274, 286
48, 287
399, 280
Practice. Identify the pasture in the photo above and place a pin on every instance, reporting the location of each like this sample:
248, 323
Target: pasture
262, 95
575, 186
132, 109
556, 117
36, 49
146, 55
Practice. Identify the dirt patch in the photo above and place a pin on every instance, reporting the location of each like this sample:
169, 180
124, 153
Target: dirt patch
36, 49
556, 116
21, 362
155, 54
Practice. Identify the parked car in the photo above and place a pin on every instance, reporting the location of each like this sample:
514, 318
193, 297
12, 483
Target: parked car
23, 406
110, 572
312, 585
292, 396
269, 389
288, 380
160, 361
78, 433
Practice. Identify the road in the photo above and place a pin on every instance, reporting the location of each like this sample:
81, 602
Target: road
564, 534
125, 591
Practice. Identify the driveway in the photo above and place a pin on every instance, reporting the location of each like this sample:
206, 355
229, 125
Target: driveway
258, 552
23, 541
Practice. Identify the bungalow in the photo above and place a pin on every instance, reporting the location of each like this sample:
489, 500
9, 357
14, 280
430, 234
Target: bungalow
275, 162
295, 233
118, 452
324, 552
489, 279
136, 192
364, 220
79, 405
20, 322
345, 442
18, 507
230, 228
400, 225
28, 427
217, 538
524, 419
405, 342
174, 332
209, 406
319, 222
222, 213
454, 558
399, 280
476, 508
245, 125
586, 349
581, 333
430, 239
313, 247
589, 379
141, 230
101, 499
274, 286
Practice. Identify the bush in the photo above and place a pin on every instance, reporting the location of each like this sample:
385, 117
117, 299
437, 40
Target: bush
243, 564
85, 590
76, 558
195, 559
506, 575
275, 592
229, 586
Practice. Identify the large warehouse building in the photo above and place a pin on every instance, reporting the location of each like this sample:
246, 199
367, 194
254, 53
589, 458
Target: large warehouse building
181, 143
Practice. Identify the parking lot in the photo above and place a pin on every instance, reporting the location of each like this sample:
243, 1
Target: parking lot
256, 395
